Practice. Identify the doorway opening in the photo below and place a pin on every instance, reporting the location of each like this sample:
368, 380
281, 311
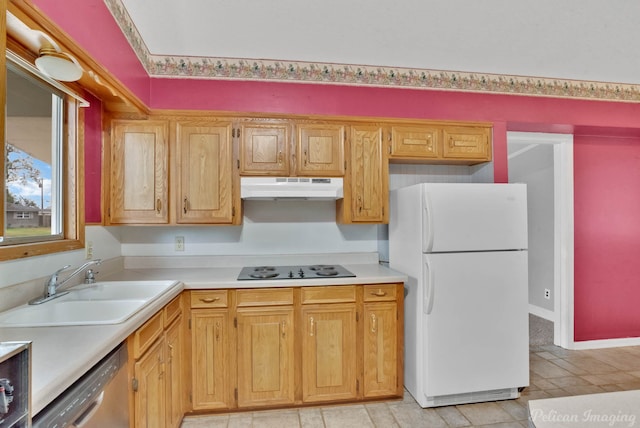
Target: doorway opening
545, 163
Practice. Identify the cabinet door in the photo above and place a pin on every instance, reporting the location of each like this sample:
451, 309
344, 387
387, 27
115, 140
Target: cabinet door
368, 177
380, 349
149, 398
329, 352
264, 148
175, 405
139, 172
467, 143
265, 356
210, 359
414, 142
204, 161
320, 150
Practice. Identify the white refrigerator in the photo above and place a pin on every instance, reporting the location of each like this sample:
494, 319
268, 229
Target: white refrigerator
464, 249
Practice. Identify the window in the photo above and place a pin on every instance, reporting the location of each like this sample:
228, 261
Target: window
40, 206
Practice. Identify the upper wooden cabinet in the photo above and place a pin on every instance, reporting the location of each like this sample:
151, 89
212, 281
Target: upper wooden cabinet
267, 148
320, 150
204, 159
366, 183
139, 172
415, 142
198, 156
467, 144
440, 143
264, 148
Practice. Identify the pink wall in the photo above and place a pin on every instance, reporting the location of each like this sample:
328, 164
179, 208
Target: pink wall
607, 237
607, 233
93, 160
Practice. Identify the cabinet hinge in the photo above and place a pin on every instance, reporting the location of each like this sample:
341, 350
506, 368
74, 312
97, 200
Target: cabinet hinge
345, 165
357, 385
233, 132
189, 323
357, 317
238, 132
235, 324
238, 163
233, 211
134, 384
235, 394
389, 149
190, 397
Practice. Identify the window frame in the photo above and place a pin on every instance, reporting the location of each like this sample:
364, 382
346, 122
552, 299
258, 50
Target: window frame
72, 176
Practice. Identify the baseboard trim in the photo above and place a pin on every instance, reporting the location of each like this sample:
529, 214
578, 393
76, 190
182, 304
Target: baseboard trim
606, 343
542, 313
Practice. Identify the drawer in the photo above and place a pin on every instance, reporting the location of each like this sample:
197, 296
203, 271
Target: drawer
264, 297
172, 310
330, 294
144, 337
380, 292
209, 299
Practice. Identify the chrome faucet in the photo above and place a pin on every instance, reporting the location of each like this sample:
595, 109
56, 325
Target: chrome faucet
52, 285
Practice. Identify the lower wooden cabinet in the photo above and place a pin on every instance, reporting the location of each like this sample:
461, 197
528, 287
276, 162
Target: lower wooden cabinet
149, 386
156, 365
380, 349
210, 356
329, 347
265, 356
275, 347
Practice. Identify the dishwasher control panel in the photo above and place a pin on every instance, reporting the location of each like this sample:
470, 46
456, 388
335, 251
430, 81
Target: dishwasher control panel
15, 384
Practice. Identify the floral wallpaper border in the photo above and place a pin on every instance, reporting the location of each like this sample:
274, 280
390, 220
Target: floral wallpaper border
362, 75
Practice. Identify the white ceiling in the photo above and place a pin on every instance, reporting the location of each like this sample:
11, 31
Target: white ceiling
592, 40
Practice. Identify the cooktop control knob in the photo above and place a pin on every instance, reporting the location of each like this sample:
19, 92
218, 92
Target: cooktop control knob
290, 274
301, 273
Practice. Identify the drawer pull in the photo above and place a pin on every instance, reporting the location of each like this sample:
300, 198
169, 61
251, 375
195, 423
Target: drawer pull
209, 299
379, 293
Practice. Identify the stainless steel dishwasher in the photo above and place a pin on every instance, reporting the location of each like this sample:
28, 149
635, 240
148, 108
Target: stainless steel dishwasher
97, 400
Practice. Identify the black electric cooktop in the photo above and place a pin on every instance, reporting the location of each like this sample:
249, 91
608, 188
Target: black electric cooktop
293, 272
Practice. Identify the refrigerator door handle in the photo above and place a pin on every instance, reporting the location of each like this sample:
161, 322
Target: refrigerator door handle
428, 276
427, 224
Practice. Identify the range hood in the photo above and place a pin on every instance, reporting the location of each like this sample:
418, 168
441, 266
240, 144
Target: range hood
291, 188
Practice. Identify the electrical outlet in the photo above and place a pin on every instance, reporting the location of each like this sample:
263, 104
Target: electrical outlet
89, 250
179, 243
547, 293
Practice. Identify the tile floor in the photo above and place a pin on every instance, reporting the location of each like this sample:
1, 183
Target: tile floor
555, 372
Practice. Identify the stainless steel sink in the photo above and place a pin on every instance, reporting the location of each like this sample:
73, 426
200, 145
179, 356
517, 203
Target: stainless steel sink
100, 303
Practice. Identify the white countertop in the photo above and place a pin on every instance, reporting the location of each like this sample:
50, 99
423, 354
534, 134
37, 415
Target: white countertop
61, 355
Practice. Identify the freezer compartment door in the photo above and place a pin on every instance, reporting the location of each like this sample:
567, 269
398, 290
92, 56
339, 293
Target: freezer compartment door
473, 217
475, 322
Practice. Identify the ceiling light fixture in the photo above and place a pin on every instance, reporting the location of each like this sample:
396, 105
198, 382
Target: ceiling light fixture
55, 63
